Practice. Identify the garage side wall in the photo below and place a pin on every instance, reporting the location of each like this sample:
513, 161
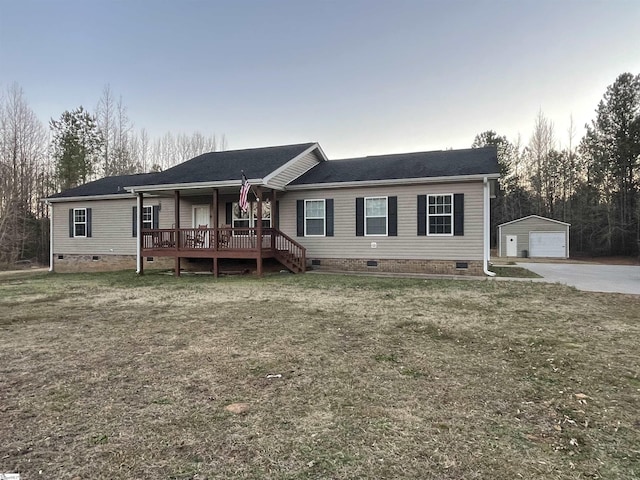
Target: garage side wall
523, 227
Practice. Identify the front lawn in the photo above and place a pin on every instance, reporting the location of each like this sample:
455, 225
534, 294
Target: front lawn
115, 376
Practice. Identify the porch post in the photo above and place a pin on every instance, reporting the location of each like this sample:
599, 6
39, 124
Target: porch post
259, 231
176, 222
215, 232
274, 218
140, 239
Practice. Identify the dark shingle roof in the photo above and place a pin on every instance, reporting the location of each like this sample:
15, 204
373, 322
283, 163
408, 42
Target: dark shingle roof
260, 162
108, 186
220, 166
441, 163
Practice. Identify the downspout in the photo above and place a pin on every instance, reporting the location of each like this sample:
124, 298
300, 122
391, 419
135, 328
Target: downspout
50, 207
486, 230
139, 230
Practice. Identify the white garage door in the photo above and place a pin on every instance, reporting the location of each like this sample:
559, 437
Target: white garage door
547, 244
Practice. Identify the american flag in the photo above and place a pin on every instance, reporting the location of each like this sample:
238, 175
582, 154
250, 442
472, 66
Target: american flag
244, 193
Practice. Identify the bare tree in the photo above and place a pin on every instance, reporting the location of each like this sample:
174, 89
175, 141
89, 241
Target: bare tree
543, 164
106, 119
24, 175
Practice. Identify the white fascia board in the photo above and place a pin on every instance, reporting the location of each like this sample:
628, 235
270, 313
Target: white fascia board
534, 216
322, 154
192, 186
122, 196
394, 181
282, 168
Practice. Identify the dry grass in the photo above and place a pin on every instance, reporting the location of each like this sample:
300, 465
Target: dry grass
115, 376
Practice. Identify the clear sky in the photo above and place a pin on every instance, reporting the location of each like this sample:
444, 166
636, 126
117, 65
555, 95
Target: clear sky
361, 77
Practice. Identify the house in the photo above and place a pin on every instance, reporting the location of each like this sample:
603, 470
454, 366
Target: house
425, 212
533, 236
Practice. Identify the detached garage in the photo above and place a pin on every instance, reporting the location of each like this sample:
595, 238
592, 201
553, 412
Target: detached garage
533, 236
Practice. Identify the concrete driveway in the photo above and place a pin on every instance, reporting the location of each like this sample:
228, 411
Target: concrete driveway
590, 277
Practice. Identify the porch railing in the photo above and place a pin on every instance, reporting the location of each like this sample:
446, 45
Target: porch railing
289, 252
284, 248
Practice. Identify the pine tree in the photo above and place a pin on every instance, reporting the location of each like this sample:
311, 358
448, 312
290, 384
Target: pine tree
612, 151
76, 144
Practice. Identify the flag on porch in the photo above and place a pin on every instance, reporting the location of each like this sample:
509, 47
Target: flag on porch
244, 193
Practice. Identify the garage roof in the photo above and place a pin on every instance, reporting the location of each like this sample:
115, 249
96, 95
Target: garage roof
533, 216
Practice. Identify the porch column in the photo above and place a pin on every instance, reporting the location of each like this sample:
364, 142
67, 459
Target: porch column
140, 242
176, 232
274, 218
259, 231
216, 233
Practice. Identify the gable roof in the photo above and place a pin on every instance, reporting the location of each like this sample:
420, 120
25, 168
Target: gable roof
223, 169
533, 216
108, 186
227, 165
441, 163
214, 167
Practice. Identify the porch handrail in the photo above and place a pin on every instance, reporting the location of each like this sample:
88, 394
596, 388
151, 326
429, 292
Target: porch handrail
287, 249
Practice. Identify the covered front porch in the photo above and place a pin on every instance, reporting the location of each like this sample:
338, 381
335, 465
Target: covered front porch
218, 230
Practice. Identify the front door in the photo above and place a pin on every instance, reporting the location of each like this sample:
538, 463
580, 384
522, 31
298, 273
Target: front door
201, 216
512, 245
201, 220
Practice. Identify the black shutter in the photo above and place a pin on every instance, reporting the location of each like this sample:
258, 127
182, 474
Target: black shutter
458, 214
328, 205
88, 210
229, 214
156, 216
359, 216
134, 222
392, 206
276, 222
300, 218
71, 222
422, 215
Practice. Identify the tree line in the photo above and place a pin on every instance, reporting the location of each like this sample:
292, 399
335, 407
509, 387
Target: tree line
78, 147
593, 183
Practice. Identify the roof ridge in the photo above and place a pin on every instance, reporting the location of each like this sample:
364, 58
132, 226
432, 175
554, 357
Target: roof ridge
420, 152
258, 148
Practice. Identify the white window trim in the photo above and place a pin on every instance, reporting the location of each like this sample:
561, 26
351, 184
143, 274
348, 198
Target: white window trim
386, 223
79, 223
253, 222
324, 218
429, 234
150, 207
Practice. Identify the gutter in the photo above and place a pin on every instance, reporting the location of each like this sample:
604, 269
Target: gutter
50, 208
191, 186
138, 231
111, 196
392, 182
486, 229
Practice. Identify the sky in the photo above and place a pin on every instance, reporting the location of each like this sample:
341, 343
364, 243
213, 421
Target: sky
361, 77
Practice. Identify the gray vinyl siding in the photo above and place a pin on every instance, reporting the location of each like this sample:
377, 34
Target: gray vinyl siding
407, 245
293, 171
187, 204
111, 226
522, 228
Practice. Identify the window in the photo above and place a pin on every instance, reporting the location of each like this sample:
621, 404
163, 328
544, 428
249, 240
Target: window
249, 218
79, 222
375, 215
440, 214
314, 218
147, 217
